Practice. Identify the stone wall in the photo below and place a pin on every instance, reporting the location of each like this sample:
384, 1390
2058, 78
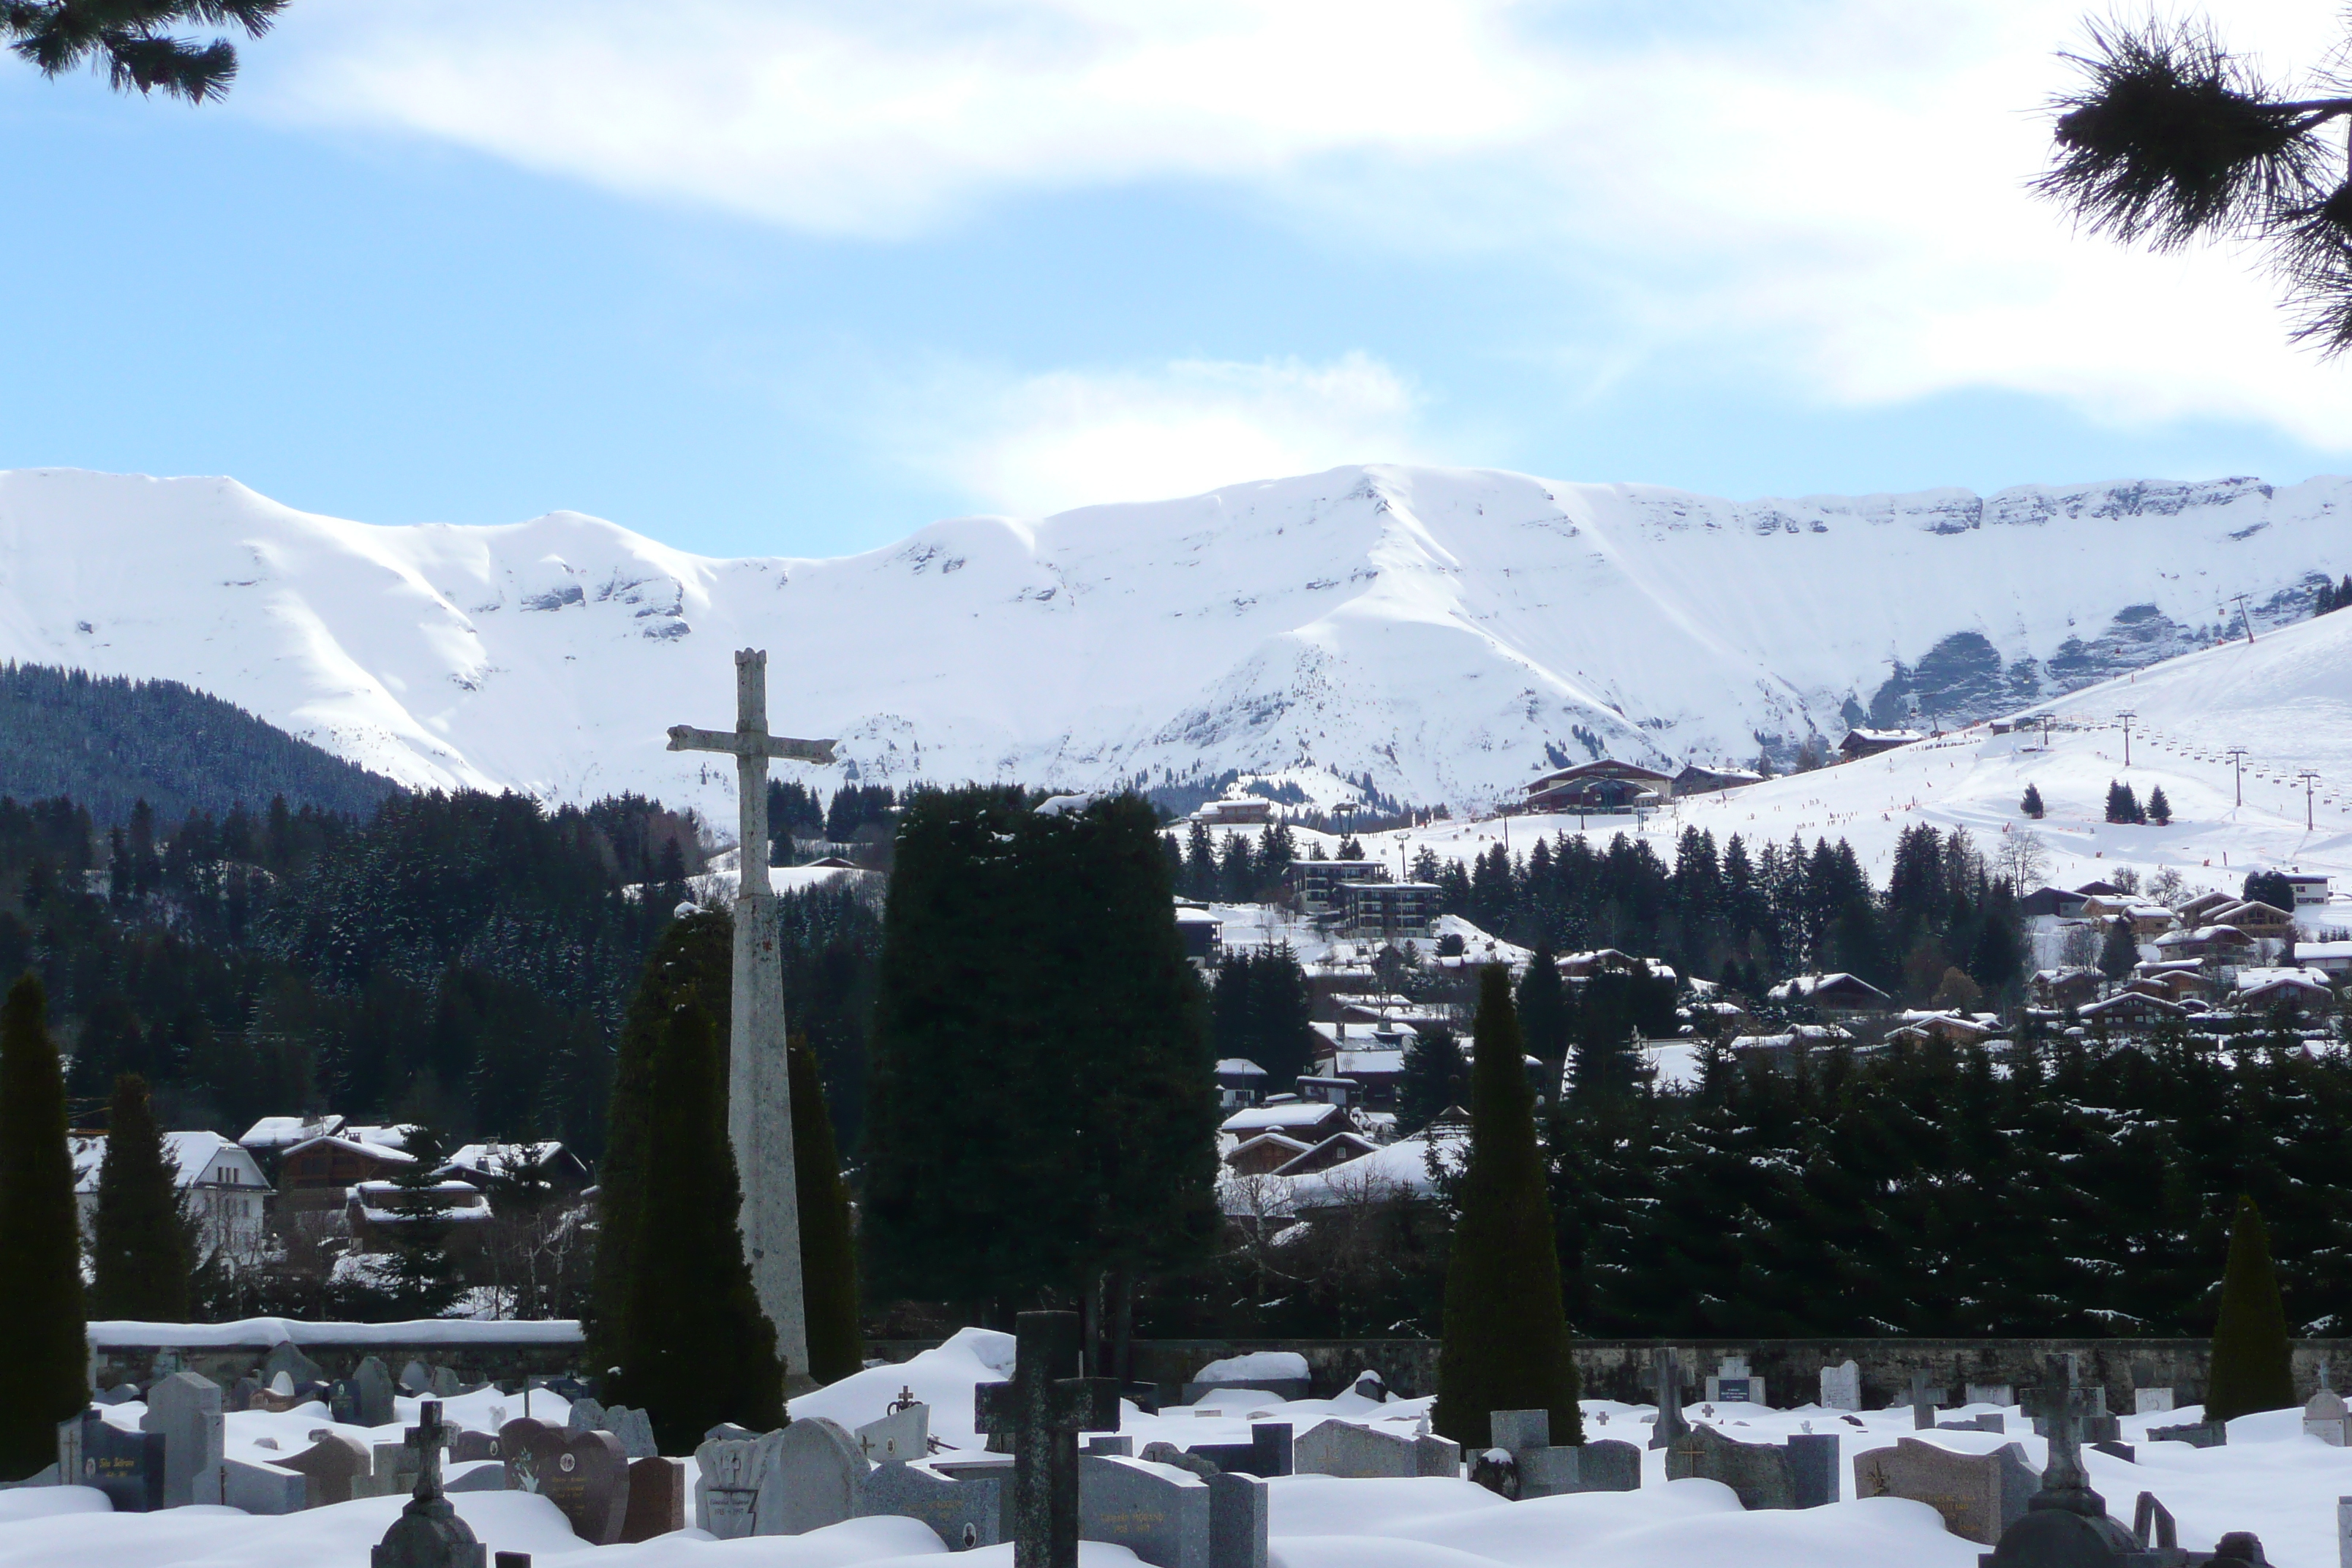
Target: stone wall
478, 1351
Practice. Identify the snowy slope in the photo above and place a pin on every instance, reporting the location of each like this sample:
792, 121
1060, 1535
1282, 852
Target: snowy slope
1442, 631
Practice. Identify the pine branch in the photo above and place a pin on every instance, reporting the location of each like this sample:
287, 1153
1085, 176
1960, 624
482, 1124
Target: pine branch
131, 40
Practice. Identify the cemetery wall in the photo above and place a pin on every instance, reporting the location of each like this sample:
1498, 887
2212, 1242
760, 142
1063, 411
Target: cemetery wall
476, 1352
1619, 1369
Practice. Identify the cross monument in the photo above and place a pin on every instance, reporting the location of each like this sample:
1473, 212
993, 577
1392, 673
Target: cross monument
759, 1083
1041, 1412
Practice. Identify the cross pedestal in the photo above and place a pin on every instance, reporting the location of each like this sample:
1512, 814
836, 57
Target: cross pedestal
759, 1081
1042, 1411
428, 1533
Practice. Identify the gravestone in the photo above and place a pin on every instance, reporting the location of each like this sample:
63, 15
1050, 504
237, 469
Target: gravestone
339, 1467
128, 1467
240, 1395
185, 1408
445, 1382
343, 1401
584, 1474
395, 1469
263, 1489
476, 1476
416, 1378
1987, 1422
811, 1479
2195, 1433
1359, 1453
428, 1533
635, 1428
1269, 1452
585, 1415
965, 1509
904, 1433
372, 1393
1733, 1384
472, 1447
656, 1498
1841, 1386
1115, 1445
1801, 1473
2343, 1533
727, 1472
1923, 1401
1666, 1388
1159, 1512
2065, 1521
2151, 1401
1041, 1413
1542, 1469
286, 1356
1240, 1518
2324, 1417
1993, 1394
1978, 1495
2117, 1449
1609, 1466
120, 1393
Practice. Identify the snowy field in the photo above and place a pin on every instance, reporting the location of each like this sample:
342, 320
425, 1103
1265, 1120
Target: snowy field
2269, 1478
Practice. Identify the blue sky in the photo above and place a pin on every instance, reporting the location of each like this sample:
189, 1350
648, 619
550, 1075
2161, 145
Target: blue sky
797, 280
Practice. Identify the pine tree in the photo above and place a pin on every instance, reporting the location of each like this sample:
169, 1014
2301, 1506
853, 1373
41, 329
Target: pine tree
1544, 1009
2251, 1366
422, 1278
1436, 1078
828, 1244
2031, 805
1507, 1342
139, 1251
2123, 804
2119, 952
2159, 810
695, 1347
41, 1308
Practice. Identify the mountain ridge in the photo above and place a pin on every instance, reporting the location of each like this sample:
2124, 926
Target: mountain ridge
1444, 633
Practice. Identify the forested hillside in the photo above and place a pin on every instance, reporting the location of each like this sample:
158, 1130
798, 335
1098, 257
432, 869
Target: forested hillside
108, 743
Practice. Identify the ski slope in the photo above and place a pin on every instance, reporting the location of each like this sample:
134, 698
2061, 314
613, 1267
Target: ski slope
1442, 633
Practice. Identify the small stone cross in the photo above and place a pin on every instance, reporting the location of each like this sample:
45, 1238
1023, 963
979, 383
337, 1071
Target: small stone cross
2063, 1404
429, 1436
1042, 1411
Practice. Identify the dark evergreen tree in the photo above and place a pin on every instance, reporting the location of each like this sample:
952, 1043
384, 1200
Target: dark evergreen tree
1543, 1008
2251, 1357
422, 1278
2159, 810
41, 1308
2123, 804
1350, 849
1436, 1078
695, 1349
2269, 887
1506, 1341
139, 1263
2118, 949
1261, 1012
2031, 805
828, 1244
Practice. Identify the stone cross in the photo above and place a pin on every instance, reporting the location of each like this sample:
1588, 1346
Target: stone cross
429, 1436
1042, 1411
2064, 1406
1666, 1378
758, 1084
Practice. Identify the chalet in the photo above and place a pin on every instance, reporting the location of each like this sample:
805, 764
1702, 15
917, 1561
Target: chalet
1328, 1088
1387, 1035
2310, 887
1314, 885
1696, 780
2183, 982
374, 1209
319, 1172
1943, 1028
2065, 987
1600, 961
1240, 1083
1379, 910
2198, 910
2333, 959
276, 1134
2223, 943
219, 1181
1309, 1121
1265, 1154
1336, 1150
1830, 994
1376, 1075
498, 1167
2062, 902
1606, 784
1248, 811
2264, 922
2130, 1010
2147, 919
1202, 933
1776, 1051
1377, 1007
2301, 991
1859, 743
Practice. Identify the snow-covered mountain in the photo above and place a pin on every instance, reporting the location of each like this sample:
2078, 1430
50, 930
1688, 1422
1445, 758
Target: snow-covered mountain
1444, 634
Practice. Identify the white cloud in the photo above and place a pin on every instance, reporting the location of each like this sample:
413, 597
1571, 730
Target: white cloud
1044, 443
1825, 194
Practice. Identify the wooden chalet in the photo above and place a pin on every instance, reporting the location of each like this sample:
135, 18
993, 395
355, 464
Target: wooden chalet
1602, 786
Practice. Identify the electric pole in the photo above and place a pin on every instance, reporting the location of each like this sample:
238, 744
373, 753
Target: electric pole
2127, 716
2244, 615
2308, 779
2238, 767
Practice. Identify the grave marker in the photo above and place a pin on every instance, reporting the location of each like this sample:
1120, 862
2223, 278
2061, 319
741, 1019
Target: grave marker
2065, 1521
263, 1489
1841, 1386
582, 1473
1978, 1495
2324, 1417
1993, 1393
428, 1533
128, 1467
338, 1468
2195, 1433
729, 1470
1666, 1388
656, 1498
1801, 1473
1159, 1512
811, 1479
1269, 1452
1733, 1384
372, 1393
966, 1510
1041, 1412
2151, 1401
1344, 1449
286, 1356
185, 1408
904, 1433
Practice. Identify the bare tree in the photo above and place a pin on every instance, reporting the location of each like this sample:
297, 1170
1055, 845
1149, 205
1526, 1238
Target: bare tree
2020, 858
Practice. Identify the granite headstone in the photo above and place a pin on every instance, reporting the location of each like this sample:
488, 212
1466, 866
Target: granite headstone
1841, 1386
811, 1479
1978, 1495
185, 1408
339, 1467
966, 1508
1159, 1512
656, 1498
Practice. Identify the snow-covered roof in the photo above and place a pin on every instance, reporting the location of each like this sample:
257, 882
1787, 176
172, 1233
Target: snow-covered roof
1272, 1118
1365, 1036
1887, 737
2323, 949
502, 1159
462, 1203
373, 1151
1801, 987
2263, 979
1353, 1064
279, 1132
1239, 1067
196, 1158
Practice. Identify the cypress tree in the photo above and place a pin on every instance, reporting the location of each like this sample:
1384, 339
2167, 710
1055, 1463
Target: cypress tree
139, 1252
695, 954
41, 1308
695, 1349
2251, 1367
1507, 1343
828, 1245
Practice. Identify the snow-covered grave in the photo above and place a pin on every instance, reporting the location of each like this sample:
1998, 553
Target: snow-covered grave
2272, 1478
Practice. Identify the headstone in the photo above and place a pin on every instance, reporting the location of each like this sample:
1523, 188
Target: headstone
585, 1415
2195, 1433
1993, 1393
1666, 1388
1240, 1516
120, 1393
1269, 1452
472, 1447
2151, 1401
1437, 1456
2324, 1417
128, 1467
264, 1488
1344, 1449
1367, 1385
904, 1433
656, 1498
2239, 1549
2343, 1533
428, 1533
1814, 1467
372, 1393
240, 1395
1159, 1512
1802, 1473
186, 1409
416, 1378
1841, 1386
1609, 1466
811, 1479
1978, 1495
635, 1428
396, 1469
1733, 1384
2065, 1521
343, 1401
2115, 1448
1539, 1469
759, 1087
584, 1474
444, 1383
1041, 1413
1923, 1401
338, 1468
728, 1471
966, 1508
476, 1476
1988, 1423
286, 1356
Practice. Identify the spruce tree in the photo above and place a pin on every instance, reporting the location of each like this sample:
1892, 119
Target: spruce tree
1505, 1342
139, 1252
695, 1348
1437, 1075
2159, 810
2251, 1358
1543, 1008
422, 1278
2031, 805
2119, 952
41, 1307
828, 1245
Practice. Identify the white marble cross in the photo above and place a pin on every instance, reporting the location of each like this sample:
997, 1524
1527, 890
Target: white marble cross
759, 1082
